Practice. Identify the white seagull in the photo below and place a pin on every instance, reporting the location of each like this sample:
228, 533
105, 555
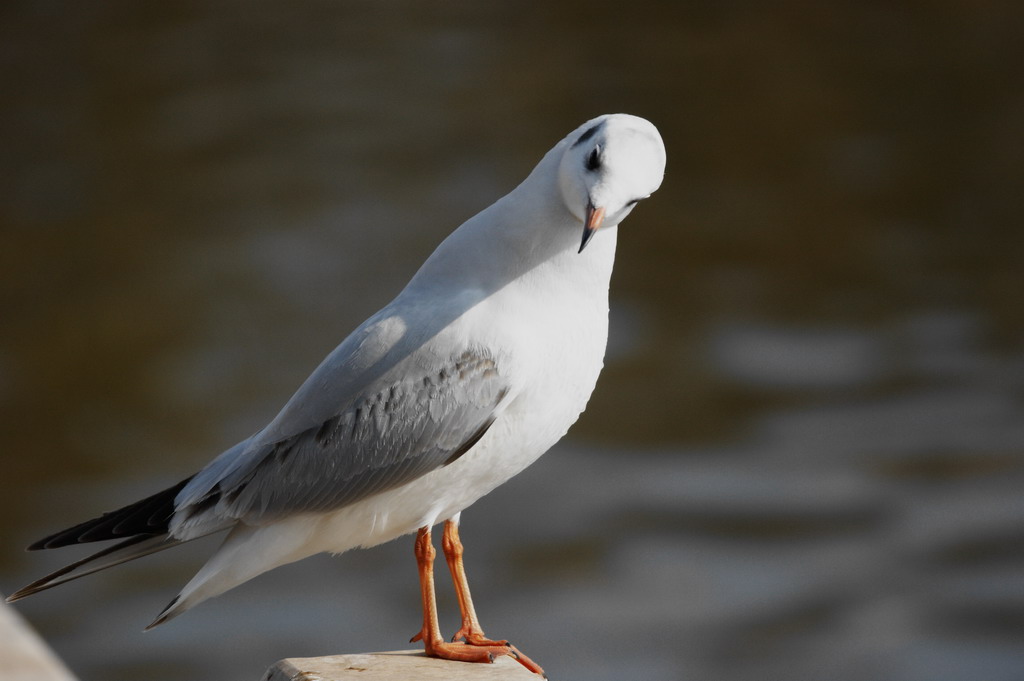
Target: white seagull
478, 367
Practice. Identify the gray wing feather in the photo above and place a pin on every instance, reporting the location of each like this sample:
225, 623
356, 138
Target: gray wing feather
377, 442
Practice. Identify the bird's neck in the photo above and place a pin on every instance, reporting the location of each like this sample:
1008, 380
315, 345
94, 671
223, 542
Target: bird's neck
529, 234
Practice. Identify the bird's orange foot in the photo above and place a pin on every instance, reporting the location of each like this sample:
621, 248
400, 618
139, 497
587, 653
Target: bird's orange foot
475, 637
478, 650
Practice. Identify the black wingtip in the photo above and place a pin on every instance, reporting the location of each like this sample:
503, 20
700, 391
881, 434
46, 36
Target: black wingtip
149, 516
38, 545
36, 586
18, 595
30, 589
55, 578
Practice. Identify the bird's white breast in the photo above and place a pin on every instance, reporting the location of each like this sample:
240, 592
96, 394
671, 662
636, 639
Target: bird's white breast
548, 336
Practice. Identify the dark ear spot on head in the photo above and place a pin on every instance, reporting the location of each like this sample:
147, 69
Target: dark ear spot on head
590, 132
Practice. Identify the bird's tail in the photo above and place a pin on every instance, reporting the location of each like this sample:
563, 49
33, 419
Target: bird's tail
246, 552
144, 528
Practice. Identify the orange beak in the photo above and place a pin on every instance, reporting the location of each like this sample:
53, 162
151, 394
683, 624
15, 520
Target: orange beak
594, 218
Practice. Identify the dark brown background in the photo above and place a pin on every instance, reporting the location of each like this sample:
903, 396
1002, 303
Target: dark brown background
804, 459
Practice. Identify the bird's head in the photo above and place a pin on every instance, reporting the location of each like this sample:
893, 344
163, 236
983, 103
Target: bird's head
610, 164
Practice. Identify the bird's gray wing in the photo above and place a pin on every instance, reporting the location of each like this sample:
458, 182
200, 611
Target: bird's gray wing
399, 432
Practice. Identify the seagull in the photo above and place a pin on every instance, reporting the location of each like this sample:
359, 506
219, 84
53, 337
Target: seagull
478, 366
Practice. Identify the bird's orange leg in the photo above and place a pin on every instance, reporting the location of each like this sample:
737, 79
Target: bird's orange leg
434, 645
471, 631
430, 634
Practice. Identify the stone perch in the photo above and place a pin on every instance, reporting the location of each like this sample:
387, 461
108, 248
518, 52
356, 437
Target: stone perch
399, 665
23, 655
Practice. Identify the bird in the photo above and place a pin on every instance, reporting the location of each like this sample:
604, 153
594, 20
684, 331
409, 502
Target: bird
478, 366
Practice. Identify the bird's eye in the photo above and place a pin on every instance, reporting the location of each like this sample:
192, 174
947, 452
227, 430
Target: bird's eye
594, 159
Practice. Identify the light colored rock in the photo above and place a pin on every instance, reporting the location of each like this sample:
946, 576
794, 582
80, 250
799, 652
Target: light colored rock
399, 665
23, 655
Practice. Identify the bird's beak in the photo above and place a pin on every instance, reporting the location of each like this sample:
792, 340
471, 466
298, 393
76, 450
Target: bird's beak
594, 218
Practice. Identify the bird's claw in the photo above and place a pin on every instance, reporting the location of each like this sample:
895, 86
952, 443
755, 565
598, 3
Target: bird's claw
522, 659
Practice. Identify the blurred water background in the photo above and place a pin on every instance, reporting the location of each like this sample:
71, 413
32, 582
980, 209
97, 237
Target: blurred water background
805, 457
